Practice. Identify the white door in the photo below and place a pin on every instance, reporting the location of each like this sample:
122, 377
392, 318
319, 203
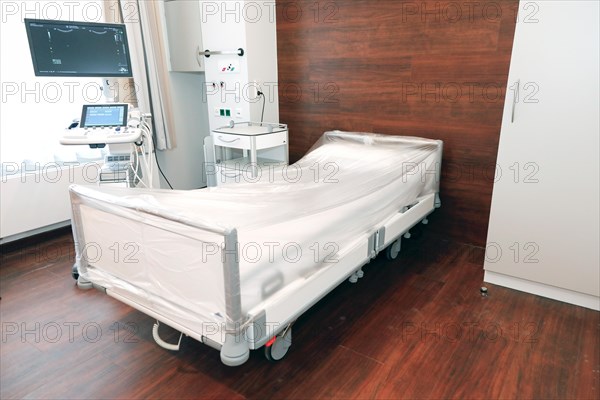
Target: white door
544, 222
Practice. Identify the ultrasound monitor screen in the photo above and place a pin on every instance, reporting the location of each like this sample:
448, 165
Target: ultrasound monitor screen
66, 48
103, 115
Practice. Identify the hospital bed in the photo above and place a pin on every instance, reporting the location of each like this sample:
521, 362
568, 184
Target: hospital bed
234, 266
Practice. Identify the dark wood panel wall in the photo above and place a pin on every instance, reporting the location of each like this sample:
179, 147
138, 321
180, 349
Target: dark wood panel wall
433, 69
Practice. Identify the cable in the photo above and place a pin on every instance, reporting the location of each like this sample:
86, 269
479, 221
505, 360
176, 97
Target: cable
162, 173
148, 168
262, 116
135, 171
146, 137
147, 130
159, 168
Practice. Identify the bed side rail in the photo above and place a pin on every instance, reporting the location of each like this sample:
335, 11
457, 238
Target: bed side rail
235, 350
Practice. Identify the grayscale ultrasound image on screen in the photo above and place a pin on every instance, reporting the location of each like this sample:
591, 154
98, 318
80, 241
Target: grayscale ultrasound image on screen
66, 48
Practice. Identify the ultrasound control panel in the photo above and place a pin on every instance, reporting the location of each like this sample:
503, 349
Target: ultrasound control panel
102, 124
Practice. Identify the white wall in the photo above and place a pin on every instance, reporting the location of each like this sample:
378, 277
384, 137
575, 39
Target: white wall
38, 198
183, 165
34, 111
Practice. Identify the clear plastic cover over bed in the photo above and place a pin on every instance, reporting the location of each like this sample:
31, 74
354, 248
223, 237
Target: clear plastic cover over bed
164, 248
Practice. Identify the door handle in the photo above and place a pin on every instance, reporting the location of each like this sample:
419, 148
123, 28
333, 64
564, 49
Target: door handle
228, 141
515, 100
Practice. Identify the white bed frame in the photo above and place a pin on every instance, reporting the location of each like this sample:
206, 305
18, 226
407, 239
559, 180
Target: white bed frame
270, 327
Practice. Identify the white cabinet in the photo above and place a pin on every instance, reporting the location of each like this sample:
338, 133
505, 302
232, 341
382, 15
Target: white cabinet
184, 34
246, 152
544, 225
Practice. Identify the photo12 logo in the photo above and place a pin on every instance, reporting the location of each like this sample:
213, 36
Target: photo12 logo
260, 11
52, 92
85, 10
518, 252
90, 11
52, 172
471, 92
273, 92
272, 172
454, 12
453, 332
67, 331
237, 11
451, 12
272, 252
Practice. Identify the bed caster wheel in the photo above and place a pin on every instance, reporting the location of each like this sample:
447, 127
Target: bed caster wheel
353, 278
74, 272
393, 250
425, 221
277, 348
407, 235
83, 284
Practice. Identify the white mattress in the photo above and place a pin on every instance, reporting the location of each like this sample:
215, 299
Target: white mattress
349, 184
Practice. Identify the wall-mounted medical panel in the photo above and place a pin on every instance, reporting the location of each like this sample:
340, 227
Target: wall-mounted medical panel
240, 56
184, 32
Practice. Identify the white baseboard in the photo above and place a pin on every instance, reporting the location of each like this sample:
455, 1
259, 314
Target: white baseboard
33, 232
540, 289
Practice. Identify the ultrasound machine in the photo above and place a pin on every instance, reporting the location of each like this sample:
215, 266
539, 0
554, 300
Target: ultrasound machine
113, 126
85, 49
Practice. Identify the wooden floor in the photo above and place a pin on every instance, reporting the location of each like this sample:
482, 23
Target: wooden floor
415, 328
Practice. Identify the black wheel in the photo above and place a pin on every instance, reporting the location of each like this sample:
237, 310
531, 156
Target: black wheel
74, 272
278, 347
393, 250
